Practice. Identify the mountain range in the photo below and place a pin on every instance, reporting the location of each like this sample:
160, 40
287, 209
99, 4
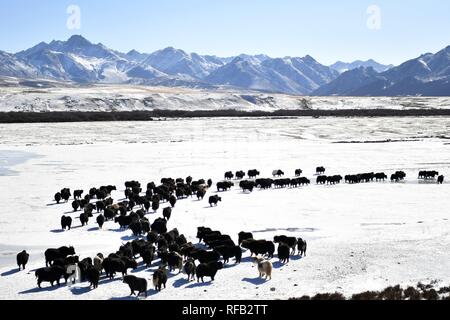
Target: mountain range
80, 61
427, 75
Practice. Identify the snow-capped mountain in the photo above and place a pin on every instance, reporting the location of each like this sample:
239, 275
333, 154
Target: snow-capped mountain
12, 66
250, 74
79, 60
177, 62
76, 59
342, 67
136, 56
349, 81
289, 75
428, 74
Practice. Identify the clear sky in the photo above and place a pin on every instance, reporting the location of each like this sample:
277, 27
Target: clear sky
328, 30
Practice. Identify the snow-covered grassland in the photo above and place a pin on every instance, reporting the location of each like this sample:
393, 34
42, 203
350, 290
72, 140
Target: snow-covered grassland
360, 237
44, 96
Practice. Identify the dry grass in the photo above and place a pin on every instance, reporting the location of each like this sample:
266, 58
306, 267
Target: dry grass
421, 292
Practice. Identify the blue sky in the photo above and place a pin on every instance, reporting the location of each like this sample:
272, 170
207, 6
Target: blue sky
327, 30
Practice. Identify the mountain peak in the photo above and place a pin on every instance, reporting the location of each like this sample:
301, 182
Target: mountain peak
133, 52
78, 41
172, 50
309, 58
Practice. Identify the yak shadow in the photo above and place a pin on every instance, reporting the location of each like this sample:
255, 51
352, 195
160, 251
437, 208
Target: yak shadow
247, 259
256, 281
10, 272
296, 257
153, 266
57, 230
139, 268
93, 229
129, 298
106, 280
61, 230
199, 284
152, 292
69, 212
54, 204
80, 290
230, 265
278, 265
117, 230
172, 274
37, 289
180, 282
128, 238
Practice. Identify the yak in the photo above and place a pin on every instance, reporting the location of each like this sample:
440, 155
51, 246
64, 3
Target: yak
213, 200
22, 259
66, 222
53, 254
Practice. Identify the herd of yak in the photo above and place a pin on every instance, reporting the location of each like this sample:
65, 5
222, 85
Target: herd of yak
171, 251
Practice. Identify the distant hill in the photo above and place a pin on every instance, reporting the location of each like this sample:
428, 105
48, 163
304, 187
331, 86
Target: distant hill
342, 67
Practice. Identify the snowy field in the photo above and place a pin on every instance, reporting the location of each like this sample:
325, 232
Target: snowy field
55, 96
360, 237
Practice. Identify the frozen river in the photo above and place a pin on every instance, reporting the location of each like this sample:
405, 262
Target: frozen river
360, 237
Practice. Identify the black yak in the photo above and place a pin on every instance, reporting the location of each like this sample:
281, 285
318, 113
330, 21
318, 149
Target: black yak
189, 268
66, 222
244, 236
136, 284
100, 221
229, 175
320, 170
291, 242
172, 201
77, 194
208, 270
253, 173
93, 276
213, 200
50, 274
53, 254
84, 219
283, 252
58, 197
240, 174
22, 259
301, 245
160, 278
277, 173
167, 212
257, 247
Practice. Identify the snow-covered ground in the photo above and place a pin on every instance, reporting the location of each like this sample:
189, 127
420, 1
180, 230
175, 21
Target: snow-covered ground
15, 96
360, 237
